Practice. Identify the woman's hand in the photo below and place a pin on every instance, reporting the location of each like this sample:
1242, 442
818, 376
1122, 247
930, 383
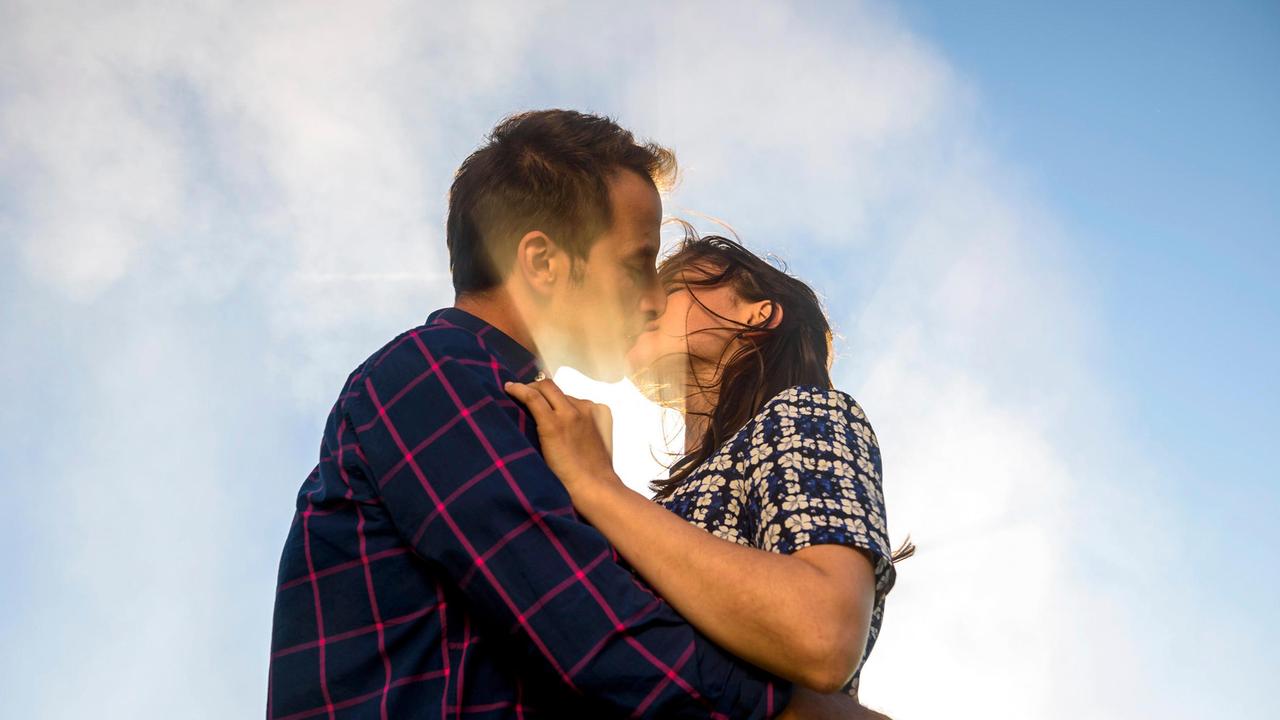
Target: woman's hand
576, 435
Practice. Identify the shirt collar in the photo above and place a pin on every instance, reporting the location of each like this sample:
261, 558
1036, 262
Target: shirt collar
524, 365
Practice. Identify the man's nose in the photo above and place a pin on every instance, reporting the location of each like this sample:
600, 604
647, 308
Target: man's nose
654, 302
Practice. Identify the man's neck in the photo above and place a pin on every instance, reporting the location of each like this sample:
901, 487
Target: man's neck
497, 309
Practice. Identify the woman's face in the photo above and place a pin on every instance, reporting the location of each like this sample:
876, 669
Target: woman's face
687, 331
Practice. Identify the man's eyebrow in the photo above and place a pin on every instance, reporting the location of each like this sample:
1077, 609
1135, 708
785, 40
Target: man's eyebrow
645, 251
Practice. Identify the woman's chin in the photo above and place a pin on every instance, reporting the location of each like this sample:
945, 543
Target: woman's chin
639, 378
638, 364
659, 385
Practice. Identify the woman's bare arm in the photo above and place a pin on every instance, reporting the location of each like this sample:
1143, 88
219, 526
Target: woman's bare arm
803, 616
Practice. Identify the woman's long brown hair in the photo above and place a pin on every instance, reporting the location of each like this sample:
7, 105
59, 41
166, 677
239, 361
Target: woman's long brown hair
768, 360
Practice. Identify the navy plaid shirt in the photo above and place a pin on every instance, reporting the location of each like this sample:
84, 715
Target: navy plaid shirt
436, 568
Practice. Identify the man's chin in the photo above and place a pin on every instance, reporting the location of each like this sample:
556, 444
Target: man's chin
607, 375
602, 370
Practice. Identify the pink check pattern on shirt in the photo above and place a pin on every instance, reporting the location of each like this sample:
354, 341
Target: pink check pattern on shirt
435, 567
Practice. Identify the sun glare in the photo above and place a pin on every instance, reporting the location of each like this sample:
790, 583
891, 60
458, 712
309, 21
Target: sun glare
644, 434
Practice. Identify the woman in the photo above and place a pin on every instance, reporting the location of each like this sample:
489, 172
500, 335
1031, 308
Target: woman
780, 468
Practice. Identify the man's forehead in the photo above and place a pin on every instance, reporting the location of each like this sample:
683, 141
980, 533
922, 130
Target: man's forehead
634, 198
637, 215
628, 246
633, 244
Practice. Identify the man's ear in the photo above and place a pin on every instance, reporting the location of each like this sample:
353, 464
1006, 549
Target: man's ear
760, 312
535, 260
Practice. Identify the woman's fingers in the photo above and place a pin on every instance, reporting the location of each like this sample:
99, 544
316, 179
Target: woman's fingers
554, 395
532, 399
551, 408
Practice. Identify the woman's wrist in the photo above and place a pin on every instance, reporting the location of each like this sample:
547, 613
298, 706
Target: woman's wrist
595, 499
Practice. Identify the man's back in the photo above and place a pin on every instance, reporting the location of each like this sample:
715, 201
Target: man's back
436, 568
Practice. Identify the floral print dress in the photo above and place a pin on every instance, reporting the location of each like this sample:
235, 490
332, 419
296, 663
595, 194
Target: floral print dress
804, 471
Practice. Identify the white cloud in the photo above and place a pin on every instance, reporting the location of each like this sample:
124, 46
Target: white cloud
101, 174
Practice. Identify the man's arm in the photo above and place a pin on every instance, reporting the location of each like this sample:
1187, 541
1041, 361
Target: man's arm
443, 445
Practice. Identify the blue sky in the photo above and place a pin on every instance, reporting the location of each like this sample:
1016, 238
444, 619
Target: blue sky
1045, 233
1151, 126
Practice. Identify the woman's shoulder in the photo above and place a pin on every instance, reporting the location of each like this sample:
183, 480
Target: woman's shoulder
808, 420
813, 466
809, 401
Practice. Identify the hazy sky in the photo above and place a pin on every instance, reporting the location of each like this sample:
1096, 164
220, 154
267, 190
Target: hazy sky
1047, 235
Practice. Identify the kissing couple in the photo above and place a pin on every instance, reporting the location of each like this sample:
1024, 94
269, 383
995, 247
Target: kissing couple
464, 547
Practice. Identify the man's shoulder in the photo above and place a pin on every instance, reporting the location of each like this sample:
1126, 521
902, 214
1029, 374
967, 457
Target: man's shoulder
413, 355
430, 343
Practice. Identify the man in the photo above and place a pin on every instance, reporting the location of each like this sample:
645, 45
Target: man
435, 566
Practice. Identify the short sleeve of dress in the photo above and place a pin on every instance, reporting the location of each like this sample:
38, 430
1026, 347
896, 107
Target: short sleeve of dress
813, 464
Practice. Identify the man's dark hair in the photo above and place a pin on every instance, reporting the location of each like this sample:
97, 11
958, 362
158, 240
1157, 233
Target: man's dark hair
544, 170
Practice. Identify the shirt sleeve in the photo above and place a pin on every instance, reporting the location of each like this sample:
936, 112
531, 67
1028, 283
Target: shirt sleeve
814, 463
447, 451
